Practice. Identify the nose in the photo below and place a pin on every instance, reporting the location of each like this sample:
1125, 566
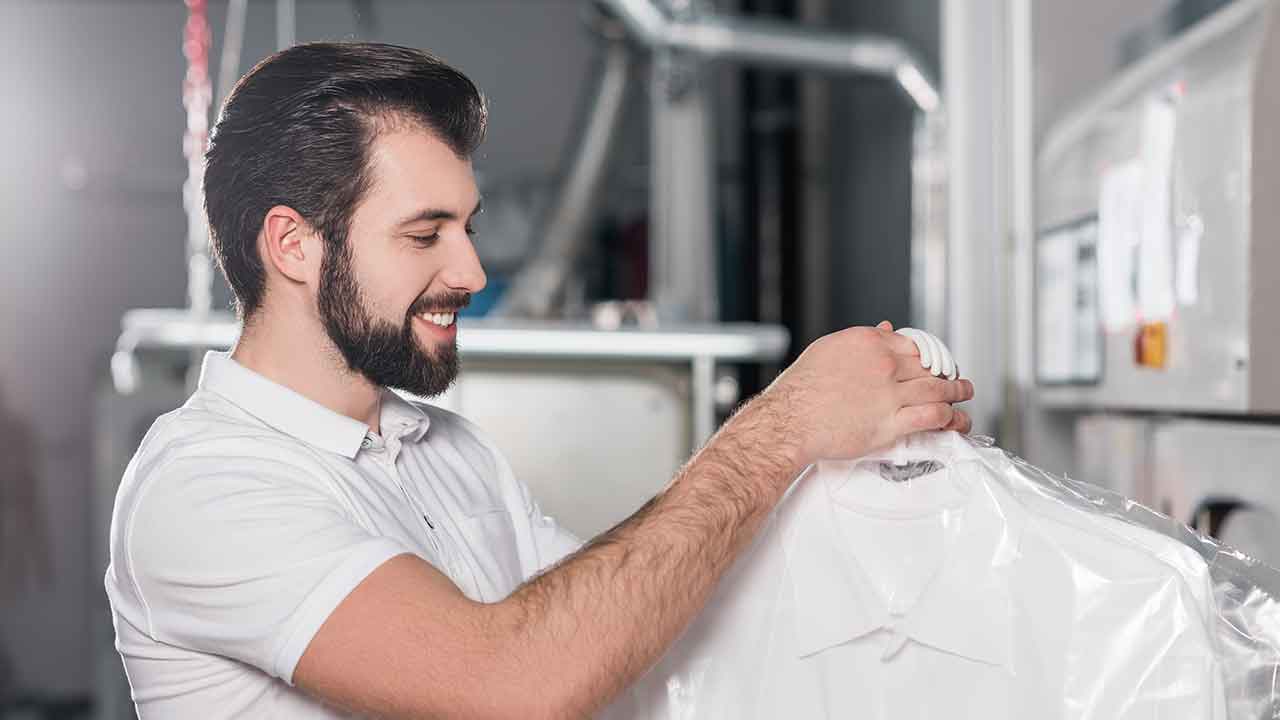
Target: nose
463, 270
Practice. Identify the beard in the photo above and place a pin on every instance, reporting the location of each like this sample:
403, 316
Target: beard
386, 354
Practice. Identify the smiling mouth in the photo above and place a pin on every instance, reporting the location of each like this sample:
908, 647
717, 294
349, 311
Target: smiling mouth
442, 319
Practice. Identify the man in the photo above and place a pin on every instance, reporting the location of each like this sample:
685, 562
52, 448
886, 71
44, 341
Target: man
298, 542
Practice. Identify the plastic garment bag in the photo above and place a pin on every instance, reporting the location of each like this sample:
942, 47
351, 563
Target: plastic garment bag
946, 578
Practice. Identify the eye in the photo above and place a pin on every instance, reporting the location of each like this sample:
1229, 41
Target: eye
425, 240
471, 230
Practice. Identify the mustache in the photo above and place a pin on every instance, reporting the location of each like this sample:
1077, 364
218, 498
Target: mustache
442, 302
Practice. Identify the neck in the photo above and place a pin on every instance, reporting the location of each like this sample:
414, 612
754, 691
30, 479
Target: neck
282, 352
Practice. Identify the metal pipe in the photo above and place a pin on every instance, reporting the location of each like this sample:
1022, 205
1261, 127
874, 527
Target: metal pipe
535, 290
779, 44
703, 376
929, 208
232, 45
159, 330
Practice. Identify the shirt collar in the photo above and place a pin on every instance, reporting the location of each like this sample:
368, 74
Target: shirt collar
402, 418
966, 608
282, 408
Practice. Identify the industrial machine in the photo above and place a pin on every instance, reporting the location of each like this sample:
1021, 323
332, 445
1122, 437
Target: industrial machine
1155, 335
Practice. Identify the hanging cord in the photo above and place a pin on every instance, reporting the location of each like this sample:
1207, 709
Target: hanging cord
197, 96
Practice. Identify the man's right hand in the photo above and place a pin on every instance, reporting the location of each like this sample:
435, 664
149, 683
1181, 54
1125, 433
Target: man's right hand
857, 390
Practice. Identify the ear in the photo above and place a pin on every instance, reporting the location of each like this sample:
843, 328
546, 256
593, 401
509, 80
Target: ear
290, 245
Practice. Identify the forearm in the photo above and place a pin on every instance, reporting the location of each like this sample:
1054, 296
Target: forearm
615, 606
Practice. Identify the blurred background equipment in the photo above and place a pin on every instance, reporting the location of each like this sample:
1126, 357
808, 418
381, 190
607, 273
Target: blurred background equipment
683, 213
1154, 339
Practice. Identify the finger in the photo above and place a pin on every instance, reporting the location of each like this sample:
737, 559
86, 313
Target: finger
919, 418
885, 325
960, 422
922, 345
908, 369
902, 344
927, 389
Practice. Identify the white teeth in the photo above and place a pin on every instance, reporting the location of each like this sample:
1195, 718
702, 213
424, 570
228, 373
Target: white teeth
441, 319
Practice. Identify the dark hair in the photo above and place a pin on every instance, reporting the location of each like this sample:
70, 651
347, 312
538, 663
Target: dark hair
296, 131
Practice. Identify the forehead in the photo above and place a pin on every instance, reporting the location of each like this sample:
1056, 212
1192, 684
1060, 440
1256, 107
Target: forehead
410, 169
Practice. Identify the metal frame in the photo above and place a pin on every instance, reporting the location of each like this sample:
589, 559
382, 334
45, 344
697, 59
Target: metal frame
700, 347
976, 67
776, 44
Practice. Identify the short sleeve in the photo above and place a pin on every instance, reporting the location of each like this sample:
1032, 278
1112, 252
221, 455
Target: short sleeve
243, 558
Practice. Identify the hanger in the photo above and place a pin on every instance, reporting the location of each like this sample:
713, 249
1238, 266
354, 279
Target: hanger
936, 356
906, 472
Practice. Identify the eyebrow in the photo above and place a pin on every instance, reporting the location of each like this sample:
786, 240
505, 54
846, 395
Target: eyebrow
433, 214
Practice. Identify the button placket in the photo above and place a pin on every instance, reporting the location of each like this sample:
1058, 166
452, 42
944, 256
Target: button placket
385, 454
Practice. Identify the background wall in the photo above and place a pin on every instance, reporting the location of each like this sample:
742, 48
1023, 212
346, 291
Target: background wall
1078, 45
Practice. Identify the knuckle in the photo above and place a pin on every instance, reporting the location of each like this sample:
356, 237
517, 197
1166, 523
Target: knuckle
864, 334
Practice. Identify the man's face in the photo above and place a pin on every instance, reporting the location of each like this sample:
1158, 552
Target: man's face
389, 302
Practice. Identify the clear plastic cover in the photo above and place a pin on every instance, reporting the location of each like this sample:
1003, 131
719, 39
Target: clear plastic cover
946, 578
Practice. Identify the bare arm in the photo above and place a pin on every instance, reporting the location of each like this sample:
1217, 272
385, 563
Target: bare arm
406, 643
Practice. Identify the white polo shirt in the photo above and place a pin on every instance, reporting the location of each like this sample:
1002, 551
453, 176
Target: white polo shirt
248, 514
962, 594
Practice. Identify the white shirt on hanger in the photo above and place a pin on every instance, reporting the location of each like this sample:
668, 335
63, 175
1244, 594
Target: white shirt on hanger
945, 596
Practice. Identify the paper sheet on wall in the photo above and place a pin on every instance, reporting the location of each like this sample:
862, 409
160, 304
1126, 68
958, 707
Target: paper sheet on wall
1119, 236
1188, 283
1155, 253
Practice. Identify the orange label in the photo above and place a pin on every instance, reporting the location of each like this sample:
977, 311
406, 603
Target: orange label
1152, 347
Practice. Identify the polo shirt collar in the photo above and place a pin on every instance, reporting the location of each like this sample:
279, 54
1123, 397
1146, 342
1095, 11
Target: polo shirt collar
965, 610
402, 418
281, 408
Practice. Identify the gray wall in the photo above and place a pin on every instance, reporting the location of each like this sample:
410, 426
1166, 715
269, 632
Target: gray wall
91, 222
1077, 47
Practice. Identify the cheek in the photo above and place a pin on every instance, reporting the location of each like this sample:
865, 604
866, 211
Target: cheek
387, 285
